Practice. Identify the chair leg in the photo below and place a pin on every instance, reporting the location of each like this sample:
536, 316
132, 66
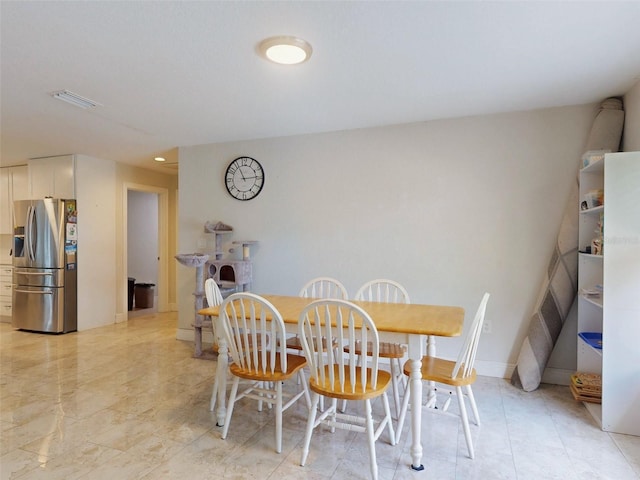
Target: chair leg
302, 379
260, 385
232, 402
404, 380
394, 384
310, 422
403, 413
278, 417
387, 413
334, 413
371, 439
465, 421
474, 407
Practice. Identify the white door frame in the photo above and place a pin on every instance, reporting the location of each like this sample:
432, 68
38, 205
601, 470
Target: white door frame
163, 241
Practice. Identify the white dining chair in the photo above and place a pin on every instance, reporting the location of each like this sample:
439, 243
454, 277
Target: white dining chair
340, 376
320, 287
214, 298
247, 321
456, 377
386, 291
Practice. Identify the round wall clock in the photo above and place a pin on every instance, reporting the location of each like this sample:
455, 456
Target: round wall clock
244, 178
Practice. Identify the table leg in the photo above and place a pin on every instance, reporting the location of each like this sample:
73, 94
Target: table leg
415, 384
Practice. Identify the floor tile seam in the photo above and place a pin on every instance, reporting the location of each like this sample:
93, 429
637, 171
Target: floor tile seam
633, 462
23, 475
510, 439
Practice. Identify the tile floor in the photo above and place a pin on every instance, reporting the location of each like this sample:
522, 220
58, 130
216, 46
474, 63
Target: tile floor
128, 401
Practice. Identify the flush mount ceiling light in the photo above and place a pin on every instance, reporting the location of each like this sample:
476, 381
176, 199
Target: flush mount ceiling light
285, 50
159, 159
74, 99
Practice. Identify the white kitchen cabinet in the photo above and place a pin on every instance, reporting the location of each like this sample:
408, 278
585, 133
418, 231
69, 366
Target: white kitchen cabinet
615, 313
13, 186
5, 292
52, 177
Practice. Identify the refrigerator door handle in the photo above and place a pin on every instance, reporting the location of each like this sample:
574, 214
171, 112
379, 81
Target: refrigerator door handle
36, 292
30, 234
47, 274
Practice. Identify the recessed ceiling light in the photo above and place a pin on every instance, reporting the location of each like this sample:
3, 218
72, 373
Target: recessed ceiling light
159, 159
285, 50
74, 99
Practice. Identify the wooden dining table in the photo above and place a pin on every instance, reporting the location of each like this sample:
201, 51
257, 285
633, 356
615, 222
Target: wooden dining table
412, 324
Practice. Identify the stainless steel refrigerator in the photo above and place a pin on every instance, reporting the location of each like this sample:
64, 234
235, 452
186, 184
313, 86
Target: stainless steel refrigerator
45, 249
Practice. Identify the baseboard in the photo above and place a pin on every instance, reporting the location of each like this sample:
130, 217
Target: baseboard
185, 334
494, 369
173, 307
121, 317
552, 376
557, 376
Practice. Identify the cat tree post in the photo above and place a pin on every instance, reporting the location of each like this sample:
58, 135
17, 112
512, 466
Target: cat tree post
198, 261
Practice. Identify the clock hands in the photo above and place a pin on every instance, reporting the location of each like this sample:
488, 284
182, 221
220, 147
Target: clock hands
244, 179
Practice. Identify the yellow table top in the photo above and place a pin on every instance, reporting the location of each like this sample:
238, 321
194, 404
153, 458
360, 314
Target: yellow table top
443, 321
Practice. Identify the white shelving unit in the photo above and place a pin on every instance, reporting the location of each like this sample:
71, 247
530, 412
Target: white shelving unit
616, 313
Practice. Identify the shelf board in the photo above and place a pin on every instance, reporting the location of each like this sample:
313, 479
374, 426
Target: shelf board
595, 167
598, 351
590, 255
590, 211
597, 301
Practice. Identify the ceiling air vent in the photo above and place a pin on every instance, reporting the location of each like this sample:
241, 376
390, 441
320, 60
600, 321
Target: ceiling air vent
74, 99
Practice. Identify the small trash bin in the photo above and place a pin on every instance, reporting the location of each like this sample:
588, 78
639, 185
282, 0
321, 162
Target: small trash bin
132, 282
144, 295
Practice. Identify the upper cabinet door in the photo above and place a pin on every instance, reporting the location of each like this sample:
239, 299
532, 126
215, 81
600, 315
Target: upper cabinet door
20, 182
52, 177
13, 186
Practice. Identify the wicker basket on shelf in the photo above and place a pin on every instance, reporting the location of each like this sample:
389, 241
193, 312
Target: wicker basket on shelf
586, 387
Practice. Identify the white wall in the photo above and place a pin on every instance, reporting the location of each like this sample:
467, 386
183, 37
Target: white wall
142, 233
95, 192
449, 208
631, 136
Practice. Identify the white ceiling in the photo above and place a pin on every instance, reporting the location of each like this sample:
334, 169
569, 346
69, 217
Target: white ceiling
171, 74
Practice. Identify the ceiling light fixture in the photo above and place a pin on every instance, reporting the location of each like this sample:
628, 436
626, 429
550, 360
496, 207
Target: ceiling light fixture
285, 50
74, 99
159, 159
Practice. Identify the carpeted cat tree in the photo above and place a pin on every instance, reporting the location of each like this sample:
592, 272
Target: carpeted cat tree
560, 287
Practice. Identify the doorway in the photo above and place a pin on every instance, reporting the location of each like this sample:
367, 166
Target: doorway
143, 254
145, 247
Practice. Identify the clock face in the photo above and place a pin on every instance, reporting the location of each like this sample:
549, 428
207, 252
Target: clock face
244, 178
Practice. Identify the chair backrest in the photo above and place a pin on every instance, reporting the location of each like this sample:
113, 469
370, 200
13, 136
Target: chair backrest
347, 323
212, 292
384, 291
467, 355
254, 331
324, 287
